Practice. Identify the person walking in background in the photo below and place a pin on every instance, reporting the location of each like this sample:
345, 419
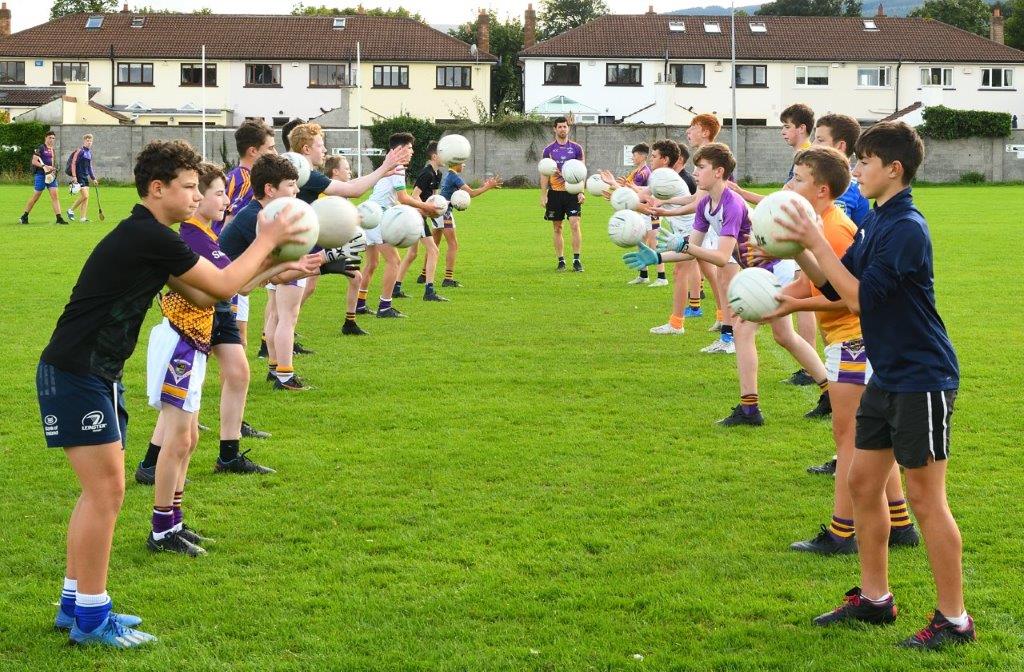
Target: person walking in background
81, 172
45, 177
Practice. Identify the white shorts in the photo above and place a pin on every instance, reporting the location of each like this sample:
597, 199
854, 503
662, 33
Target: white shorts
445, 221
301, 282
373, 237
785, 270
683, 225
847, 362
175, 371
242, 309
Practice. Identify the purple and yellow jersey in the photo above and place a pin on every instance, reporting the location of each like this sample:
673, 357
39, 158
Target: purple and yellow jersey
639, 175
239, 191
202, 240
561, 153
730, 218
45, 154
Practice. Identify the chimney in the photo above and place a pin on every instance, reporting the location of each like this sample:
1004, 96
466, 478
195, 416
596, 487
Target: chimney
995, 30
5, 20
483, 31
881, 10
650, 9
360, 9
530, 27
125, 10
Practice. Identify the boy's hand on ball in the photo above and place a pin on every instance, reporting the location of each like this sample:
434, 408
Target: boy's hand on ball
787, 306
283, 228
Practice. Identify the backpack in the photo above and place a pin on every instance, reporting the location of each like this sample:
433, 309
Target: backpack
67, 166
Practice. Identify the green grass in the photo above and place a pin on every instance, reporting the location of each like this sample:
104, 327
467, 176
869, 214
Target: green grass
522, 479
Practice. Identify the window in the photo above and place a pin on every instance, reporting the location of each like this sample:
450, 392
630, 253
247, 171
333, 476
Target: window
937, 77
338, 23
138, 21
391, 77
712, 27
328, 75
280, 121
622, 74
262, 74
676, 27
812, 75
70, 72
758, 27
135, 74
192, 74
562, 73
997, 78
751, 76
606, 119
454, 77
688, 74
12, 72
873, 76
869, 25
94, 22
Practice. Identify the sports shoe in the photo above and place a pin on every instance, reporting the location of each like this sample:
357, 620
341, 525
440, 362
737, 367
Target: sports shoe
23, 219
250, 432
826, 544
421, 279
800, 377
856, 608
203, 428
352, 329
391, 311
738, 417
433, 296
450, 282
241, 465
667, 328
192, 536
720, 347
659, 282
904, 536
577, 266
299, 349
271, 376
365, 310
263, 353
59, 220
71, 215
65, 622
561, 266
110, 633
940, 633
175, 543
638, 281
716, 328
826, 469
693, 312
294, 384
84, 220
399, 294
145, 475
823, 409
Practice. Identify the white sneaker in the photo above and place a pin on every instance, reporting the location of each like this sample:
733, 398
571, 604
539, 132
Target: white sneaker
660, 282
637, 281
84, 219
71, 214
716, 327
720, 347
667, 329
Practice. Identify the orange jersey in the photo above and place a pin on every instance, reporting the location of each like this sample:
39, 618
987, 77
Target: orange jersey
837, 325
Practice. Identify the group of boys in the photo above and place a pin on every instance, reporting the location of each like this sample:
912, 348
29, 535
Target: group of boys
44, 178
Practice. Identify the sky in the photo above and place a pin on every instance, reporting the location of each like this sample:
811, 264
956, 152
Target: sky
27, 13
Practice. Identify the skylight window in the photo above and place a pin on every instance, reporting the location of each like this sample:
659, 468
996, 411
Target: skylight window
676, 26
339, 24
712, 27
94, 22
758, 27
869, 24
138, 21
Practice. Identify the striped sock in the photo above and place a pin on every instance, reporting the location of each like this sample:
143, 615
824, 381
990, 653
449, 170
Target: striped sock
384, 304
676, 321
176, 515
284, 373
749, 403
273, 368
67, 596
694, 302
899, 516
91, 611
840, 528
350, 317
823, 385
449, 273
163, 521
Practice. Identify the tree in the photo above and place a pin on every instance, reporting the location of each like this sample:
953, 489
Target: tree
811, 8
506, 42
558, 16
322, 10
1013, 29
63, 7
970, 15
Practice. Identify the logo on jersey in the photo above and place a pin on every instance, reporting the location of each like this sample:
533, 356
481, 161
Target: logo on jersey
50, 425
93, 421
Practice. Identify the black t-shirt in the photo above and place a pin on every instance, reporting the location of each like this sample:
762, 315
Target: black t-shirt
314, 186
689, 180
238, 235
429, 180
99, 327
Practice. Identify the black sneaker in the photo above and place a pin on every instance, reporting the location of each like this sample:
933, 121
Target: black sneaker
59, 220
855, 608
826, 544
390, 311
263, 354
904, 536
800, 377
192, 536
299, 349
294, 384
577, 266
450, 282
421, 279
738, 417
23, 219
352, 329
145, 475
826, 469
240, 465
250, 432
823, 409
175, 543
433, 296
561, 266
271, 376
365, 310
399, 294
940, 633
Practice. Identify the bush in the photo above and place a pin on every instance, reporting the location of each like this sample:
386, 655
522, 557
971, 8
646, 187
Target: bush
17, 142
972, 177
945, 123
423, 130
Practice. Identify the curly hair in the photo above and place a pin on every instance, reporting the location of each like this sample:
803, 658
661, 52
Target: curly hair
163, 160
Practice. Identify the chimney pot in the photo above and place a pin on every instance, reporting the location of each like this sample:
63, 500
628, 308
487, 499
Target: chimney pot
5, 20
483, 31
881, 10
995, 29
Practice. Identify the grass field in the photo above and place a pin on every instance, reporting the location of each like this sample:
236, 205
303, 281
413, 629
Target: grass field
521, 479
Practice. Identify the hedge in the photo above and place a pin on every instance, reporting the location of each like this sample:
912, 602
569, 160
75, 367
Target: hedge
423, 130
945, 123
17, 142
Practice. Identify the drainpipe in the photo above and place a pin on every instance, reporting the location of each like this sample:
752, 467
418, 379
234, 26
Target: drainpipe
113, 76
899, 62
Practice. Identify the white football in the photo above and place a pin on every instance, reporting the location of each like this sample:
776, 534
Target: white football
596, 186
338, 219
371, 213
460, 199
439, 201
547, 166
302, 166
764, 229
454, 149
624, 198
627, 228
295, 251
665, 183
401, 226
574, 171
575, 187
752, 293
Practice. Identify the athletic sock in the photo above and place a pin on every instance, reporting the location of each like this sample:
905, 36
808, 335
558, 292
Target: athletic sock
91, 611
350, 317
877, 601
561, 260
840, 528
284, 373
449, 273
727, 333
661, 275
151, 454
899, 516
718, 315
176, 515
273, 368
67, 596
694, 302
228, 449
643, 273
397, 289
575, 257
823, 385
960, 621
429, 289
163, 521
384, 304
748, 403
676, 321
361, 299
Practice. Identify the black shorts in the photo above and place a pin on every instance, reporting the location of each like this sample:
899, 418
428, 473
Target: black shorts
561, 205
915, 425
79, 410
225, 329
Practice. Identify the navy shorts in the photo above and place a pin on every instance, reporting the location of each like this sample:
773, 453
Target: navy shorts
562, 205
79, 410
225, 329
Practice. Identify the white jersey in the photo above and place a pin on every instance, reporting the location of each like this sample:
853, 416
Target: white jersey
384, 192
681, 223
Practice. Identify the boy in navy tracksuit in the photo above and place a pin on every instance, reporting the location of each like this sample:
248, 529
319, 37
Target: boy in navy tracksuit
887, 278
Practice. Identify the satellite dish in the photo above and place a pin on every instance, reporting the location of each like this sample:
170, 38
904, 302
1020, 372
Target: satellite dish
473, 50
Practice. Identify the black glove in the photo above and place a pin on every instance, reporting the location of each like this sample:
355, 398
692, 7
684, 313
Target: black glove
340, 266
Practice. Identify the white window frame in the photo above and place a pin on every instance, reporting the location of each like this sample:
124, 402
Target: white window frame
946, 76
806, 69
1006, 77
881, 72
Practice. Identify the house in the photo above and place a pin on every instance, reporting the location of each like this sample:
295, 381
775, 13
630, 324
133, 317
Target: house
663, 69
148, 66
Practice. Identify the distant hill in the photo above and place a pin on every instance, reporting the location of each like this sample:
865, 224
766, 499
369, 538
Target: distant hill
892, 8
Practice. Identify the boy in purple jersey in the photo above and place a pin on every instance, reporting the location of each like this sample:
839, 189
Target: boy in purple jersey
82, 175
638, 177
558, 203
45, 178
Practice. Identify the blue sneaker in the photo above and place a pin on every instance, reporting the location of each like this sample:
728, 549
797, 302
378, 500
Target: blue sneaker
110, 633
65, 622
693, 312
